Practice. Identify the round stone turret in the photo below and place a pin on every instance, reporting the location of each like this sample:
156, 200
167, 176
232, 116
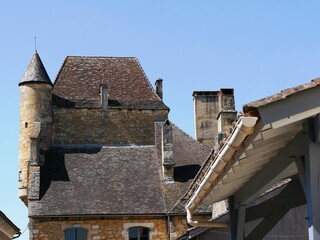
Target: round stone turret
35, 136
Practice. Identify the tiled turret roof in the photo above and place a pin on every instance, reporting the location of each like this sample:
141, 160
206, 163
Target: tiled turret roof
35, 73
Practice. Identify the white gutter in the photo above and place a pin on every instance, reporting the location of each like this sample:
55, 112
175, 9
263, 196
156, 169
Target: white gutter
244, 127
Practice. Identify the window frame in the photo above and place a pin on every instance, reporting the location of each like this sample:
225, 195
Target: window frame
75, 233
139, 230
127, 226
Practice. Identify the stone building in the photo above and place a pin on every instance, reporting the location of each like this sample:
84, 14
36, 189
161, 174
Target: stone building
98, 157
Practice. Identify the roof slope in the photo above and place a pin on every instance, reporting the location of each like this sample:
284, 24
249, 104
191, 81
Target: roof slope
115, 180
80, 78
188, 155
35, 73
251, 108
98, 181
7, 227
264, 155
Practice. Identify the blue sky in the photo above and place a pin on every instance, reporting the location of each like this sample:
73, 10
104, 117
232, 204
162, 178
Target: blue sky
256, 47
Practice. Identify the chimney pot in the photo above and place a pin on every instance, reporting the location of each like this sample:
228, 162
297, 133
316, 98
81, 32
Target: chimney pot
159, 89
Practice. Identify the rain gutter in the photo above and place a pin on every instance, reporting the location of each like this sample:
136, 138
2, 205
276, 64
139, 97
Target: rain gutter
244, 127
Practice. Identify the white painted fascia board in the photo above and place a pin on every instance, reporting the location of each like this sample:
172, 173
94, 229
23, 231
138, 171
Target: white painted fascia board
244, 127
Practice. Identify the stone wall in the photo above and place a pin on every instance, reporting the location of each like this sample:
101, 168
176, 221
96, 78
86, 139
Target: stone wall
178, 226
206, 107
115, 228
109, 126
98, 229
35, 116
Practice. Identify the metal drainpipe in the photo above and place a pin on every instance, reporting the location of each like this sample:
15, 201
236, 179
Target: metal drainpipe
168, 226
244, 127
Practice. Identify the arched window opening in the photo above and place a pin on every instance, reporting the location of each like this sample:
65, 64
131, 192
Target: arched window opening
75, 233
139, 233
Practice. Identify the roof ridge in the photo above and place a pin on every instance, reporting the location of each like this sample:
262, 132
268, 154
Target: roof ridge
285, 93
60, 69
74, 56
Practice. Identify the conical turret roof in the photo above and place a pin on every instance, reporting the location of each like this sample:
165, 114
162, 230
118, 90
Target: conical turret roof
35, 73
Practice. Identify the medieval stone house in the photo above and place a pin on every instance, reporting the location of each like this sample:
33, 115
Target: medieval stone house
98, 157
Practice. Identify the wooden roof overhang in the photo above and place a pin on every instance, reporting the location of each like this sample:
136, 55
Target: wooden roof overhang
270, 153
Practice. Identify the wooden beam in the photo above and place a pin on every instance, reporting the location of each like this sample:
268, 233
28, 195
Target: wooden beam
290, 197
273, 172
233, 218
241, 222
317, 129
312, 164
300, 164
266, 225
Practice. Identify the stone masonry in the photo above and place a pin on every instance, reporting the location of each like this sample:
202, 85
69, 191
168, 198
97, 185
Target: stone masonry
113, 228
110, 126
35, 108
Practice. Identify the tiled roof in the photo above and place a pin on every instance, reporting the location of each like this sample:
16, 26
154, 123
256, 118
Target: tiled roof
35, 73
99, 181
79, 80
115, 180
188, 155
252, 106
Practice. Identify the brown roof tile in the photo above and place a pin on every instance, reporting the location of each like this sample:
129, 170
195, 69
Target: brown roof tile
248, 108
79, 79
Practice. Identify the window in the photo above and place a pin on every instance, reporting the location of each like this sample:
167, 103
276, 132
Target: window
75, 233
139, 233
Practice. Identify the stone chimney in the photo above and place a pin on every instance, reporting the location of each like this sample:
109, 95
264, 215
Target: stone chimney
227, 114
104, 96
214, 114
159, 90
167, 152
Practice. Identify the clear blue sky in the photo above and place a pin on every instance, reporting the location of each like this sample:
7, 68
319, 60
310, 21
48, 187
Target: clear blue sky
256, 47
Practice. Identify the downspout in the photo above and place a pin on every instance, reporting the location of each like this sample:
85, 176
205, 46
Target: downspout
244, 127
169, 226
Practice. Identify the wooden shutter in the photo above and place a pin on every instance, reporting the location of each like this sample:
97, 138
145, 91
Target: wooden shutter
70, 234
82, 234
75, 234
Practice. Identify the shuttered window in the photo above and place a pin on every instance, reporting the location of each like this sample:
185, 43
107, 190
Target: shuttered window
76, 233
139, 233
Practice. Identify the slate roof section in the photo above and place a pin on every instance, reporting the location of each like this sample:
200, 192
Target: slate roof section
115, 180
79, 80
36, 72
100, 181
